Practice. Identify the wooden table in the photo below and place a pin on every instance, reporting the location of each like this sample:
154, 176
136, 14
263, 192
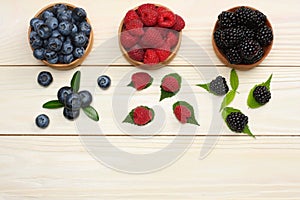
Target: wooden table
55, 164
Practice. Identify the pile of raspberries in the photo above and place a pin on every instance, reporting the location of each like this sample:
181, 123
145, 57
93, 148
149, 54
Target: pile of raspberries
150, 33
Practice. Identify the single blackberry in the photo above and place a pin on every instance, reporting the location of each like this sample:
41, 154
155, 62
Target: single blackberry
255, 59
248, 33
250, 49
260, 18
232, 36
245, 16
264, 36
219, 86
218, 39
227, 20
233, 56
262, 95
237, 121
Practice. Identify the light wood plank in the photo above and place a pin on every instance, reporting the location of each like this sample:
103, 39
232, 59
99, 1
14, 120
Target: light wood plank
22, 99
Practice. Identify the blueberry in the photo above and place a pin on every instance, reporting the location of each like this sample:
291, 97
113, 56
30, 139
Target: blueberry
67, 48
35, 23
65, 15
52, 22
85, 28
42, 121
63, 93
74, 29
57, 34
78, 52
51, 56
73, 101
79, 14
65, 28
54, 44
71, 114
44, 31
104, 82
80, 39
39, 53
44, 78
61, 58
46, 14
68, 58
35, 40
58, 8
86, 98
53, 60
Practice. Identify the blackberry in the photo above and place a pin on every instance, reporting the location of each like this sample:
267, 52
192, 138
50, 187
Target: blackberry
233, 56
262, 94
264, 36
260, 18
256, 58
237, 121
245, 16
250, 49
219, 86
227, 20
248, 33
232, 36
218, 39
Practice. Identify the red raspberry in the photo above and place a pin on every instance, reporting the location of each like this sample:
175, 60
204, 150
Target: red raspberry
136, 53
182, 113
135, 27
164, 52
163, 31
170, 84
152, 38
151, 57
149, 17
130, 15
172, 38
146, 6
161, 9
142, 115
179, 24
140, 80
166, 19
127, 40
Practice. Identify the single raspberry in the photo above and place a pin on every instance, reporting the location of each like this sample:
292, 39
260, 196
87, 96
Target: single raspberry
166, 19
142, 115
152, 38
163, 31
130, 15
144, 7
136, 53
170, 84
140, 80
179, 23
161, 9
164, 52
262, 94
127, 40
135, 27
149, 17
182, 113
150, 57
172, 38
237, 121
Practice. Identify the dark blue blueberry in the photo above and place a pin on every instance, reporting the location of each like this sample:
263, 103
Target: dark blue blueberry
71, 114
39, 53
44, 31
46, 14
104, 82
67, 48
74, 29
53, 60
65, 28
54, 44
73, 101
63, 93
42, 121
85, 28
58, 8
65, 15
86, 98
51, 56
35, 41
35, 23
78, 52
57, 34
80, 39
44, 78
52, 22
61, 58
68, 58
79, 14
45, 44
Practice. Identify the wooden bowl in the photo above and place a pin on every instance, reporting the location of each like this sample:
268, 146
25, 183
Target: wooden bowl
223, 58
141, 64
76, 62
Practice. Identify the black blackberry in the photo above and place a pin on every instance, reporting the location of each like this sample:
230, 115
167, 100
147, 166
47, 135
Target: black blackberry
218, 39
264, 36
219, 86
262, 95
256, 58
251, 50
260, 18
248, 33
237, 121
227, 20
233, 56
232, 36
245, 16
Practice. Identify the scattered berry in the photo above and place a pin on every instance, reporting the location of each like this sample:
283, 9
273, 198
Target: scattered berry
86, 98
182, 113
151, 58
237, 121
141, 80
179, 24
42, 121
73, 101
218, 86
142, 115
104, 82
63, 93
166, 19
262, 94
149, 17
71, 114
170, 84
45, 78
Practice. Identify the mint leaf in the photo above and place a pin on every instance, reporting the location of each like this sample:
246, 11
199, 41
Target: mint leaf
129, 118
131, 84
204, 86
248, 132
91, 113
192, 119
53, 104
75, 82
228, 99
234, 80
165, 94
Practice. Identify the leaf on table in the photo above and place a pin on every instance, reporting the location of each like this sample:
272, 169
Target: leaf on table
91, 113
54, 104
234, 80
228, 99
75, 82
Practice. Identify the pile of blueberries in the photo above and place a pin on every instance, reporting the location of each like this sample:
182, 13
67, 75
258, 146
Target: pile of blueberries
60, 35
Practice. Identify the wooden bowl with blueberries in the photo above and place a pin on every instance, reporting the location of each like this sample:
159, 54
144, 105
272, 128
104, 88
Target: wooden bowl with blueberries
61, 36
242, 37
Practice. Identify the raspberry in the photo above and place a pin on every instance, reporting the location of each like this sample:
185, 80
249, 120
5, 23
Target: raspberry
237, 121
152, 38
136, 53
172, 38
234, 56
251, 50
163, 31
179, 24
142, 115
164, 52
219, 86
130, 15
170, 84
264, 36
149, 17
166, 19
182, 113
227, 20
146, 6
150, 57
161, 9
135, 27
127, 40
140, 80
262, 94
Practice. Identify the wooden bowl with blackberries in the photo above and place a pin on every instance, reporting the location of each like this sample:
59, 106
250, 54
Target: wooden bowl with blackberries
242, 37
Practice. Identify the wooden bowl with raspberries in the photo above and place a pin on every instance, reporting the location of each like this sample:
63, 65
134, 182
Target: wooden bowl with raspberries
150, 36
242, 37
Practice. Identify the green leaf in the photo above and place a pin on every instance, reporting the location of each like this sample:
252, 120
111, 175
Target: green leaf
234, 80
228, 99
75, 82
91, 113
248, 132
130, 84
192, 119
53, 104
129, 117
268, 82
204, 86
165, 94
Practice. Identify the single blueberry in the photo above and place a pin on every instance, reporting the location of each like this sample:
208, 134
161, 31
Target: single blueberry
46, 14
54, 44
68, 58
67, 48
65, 15
45, 78
50, 54
71, 114
78, 52
85, 28
58, 8
79, 14
42, 121
104, 82
73, 101
57, 34
53, 60
65, 28
86, 98
52, 22
74, 29
80, 39
39, 54
35, 40
35, 23
61, 58
63, 93
44, 31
